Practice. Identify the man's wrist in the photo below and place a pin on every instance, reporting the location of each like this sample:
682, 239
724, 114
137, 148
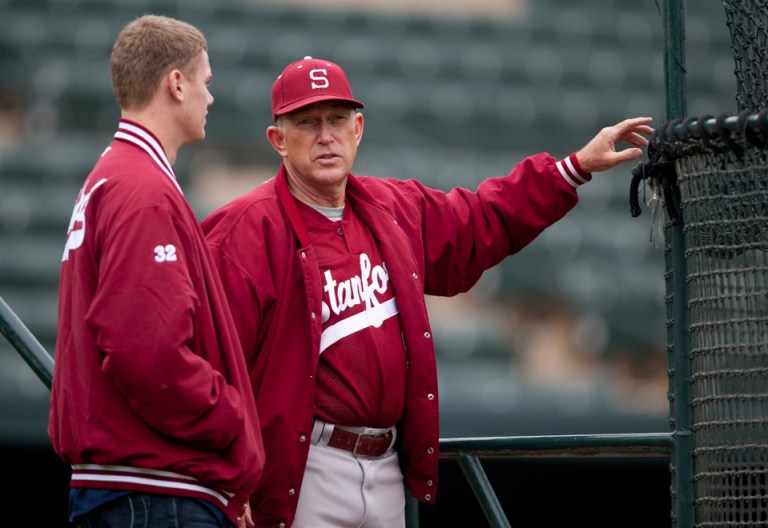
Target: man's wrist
572, 172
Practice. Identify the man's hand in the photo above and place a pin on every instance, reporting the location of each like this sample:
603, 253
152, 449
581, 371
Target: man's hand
600, 153
246, 520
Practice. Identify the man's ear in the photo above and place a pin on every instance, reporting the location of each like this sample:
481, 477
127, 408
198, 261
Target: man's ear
359, 122
276, 138
175, 84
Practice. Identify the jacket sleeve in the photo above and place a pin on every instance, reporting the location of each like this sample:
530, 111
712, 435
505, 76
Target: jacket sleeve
233, 238
466, 232
143, 318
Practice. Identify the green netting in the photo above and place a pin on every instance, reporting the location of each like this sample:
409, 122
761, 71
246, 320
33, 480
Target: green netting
712, 176
748, 24
724, 201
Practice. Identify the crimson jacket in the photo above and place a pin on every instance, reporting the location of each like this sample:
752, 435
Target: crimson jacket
150, 391
433, 242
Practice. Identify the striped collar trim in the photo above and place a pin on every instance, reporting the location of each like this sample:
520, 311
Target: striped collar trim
145, 140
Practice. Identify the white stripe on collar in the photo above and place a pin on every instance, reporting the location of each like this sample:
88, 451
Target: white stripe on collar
141, 138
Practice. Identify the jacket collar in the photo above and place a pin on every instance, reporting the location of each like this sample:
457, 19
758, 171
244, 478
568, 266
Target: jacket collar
289, 205
353, 189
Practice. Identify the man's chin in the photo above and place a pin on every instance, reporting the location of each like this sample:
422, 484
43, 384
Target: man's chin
330, 176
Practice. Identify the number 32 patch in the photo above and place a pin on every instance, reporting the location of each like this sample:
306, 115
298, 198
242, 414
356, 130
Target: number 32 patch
166, 253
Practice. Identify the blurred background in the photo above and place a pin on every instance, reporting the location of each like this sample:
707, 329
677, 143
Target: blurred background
567, 337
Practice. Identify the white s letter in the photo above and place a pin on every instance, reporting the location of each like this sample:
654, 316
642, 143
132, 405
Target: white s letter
320, 76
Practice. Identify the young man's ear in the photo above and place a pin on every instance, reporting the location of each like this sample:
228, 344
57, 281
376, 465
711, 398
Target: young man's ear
175, 84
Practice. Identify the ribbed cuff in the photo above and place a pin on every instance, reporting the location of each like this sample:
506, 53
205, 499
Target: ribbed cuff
572, 172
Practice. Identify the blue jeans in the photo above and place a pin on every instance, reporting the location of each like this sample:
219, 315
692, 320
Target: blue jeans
147, 510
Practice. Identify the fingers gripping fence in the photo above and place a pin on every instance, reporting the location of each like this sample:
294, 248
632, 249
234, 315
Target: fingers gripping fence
720, 168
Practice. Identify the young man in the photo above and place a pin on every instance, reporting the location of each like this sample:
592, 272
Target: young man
151, 402
326, 273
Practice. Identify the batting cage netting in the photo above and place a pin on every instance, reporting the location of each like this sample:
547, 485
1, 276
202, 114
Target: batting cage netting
711, 175
747, 21
724, 200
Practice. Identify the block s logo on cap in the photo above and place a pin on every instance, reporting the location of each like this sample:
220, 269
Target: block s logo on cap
310, 81
320, 77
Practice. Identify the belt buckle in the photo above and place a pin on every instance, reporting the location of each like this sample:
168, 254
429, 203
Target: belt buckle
357, 443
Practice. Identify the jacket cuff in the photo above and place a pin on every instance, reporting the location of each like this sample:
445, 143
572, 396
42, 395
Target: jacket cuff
572, 172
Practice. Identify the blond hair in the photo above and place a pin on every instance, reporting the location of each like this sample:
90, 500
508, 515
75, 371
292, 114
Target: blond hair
148, 48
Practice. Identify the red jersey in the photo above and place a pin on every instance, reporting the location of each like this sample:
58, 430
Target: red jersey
362, 365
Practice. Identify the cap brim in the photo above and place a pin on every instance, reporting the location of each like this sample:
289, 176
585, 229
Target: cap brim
312, 100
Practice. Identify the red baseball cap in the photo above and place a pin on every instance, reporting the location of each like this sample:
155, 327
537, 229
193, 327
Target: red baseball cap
310, 81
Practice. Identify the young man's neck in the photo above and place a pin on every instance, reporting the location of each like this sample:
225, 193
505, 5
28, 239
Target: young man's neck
151, 120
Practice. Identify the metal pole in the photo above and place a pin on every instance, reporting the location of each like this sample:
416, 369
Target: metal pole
411, 511
675, 88
483, 490
26, 344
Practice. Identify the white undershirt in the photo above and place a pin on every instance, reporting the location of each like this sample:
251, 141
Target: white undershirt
331, 213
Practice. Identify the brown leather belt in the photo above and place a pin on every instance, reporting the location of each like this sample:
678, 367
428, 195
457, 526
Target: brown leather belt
360, 444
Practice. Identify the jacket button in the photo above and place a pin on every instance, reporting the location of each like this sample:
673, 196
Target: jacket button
281, 525
303, 255
429, 483
314, 315
291, 491
303, 438
430, 397
427, 335
427, 497
430, 451
416, 276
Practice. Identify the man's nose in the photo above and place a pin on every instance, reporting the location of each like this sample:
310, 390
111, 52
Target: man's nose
325, 134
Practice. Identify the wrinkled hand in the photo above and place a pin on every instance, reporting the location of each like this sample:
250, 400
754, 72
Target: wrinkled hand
600, 153
246, 521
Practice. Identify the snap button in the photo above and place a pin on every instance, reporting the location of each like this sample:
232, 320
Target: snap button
429, 483
303, 438
430, 451
428, 497
427, 335
291, 491
430, 397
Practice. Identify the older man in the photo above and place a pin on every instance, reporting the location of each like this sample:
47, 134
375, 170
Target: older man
326, 273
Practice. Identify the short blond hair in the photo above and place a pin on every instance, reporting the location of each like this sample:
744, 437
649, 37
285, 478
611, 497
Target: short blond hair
148, 48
